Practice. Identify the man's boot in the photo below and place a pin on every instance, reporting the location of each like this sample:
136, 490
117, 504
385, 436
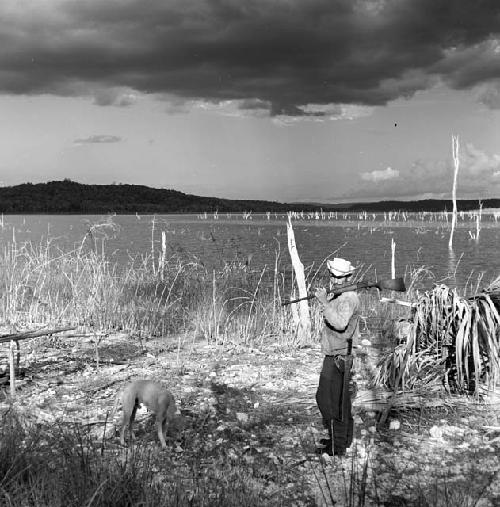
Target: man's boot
339, 451
326, 443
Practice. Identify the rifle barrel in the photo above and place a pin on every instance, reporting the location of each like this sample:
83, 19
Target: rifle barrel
337, 291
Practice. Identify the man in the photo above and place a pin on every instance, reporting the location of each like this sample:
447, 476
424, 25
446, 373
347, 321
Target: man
340, 314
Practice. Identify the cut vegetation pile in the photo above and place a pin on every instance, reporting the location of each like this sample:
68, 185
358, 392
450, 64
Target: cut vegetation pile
448, 340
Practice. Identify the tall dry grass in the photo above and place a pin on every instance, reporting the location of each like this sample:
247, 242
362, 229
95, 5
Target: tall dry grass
152, 295
159, 294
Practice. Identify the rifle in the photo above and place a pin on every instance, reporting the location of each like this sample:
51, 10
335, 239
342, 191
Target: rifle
346, 380
396, 284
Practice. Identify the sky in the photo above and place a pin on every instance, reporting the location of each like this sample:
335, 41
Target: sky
284, 100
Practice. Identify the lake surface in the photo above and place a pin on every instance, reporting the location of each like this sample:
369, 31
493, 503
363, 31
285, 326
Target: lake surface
420, 241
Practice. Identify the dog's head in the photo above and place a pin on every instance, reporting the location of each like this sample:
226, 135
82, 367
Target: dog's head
177, 424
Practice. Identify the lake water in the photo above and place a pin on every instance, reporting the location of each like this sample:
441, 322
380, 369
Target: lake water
419, 242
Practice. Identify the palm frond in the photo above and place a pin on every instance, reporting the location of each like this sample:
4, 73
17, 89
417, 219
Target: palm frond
449, 334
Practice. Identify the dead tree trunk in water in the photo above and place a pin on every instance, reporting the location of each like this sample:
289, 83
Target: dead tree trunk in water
456, 162
302, 319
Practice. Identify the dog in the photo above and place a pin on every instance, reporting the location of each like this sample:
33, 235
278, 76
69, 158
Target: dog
157, 400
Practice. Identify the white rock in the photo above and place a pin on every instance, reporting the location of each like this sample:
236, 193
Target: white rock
242, 417
394, 425
365, 342
436, 432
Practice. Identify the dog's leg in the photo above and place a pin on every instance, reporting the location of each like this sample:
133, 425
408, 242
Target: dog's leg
129, 410
124, 424
163, 419
111, 416
161, 424
132, 418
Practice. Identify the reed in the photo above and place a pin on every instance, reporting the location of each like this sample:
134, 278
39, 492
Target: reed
44, 284
171, 292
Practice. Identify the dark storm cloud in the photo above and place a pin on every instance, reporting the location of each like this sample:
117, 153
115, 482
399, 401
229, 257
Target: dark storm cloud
284, 54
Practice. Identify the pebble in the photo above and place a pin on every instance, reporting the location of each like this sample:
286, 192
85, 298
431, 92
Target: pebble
242, 417
394, 425
436, 432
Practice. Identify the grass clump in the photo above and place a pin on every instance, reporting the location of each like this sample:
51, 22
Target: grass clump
63, 465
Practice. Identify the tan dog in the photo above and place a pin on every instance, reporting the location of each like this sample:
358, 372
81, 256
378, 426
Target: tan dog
156, 398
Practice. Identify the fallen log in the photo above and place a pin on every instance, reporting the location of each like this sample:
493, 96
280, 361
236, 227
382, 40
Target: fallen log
33, 334
14, 338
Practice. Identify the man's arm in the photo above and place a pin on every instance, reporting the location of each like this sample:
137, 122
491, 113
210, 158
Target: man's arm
339, 311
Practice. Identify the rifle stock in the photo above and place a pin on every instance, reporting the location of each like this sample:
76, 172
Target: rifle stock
396, 284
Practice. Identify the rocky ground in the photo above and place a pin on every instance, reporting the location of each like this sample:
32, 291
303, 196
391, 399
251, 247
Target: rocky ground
255, 408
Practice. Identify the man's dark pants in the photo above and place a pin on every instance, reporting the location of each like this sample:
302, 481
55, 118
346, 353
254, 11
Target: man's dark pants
329, 400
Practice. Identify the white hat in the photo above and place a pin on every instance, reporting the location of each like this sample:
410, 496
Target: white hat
339, 267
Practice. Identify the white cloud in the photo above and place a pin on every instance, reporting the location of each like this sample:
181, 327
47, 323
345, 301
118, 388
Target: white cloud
477, 162
261, 109
337, 111
115, 96
376, 176
478, 177
98, 139
488, 94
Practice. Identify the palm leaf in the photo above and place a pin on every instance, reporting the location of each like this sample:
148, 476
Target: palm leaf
443, 323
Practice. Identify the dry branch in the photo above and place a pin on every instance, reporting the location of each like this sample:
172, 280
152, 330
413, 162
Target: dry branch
456, 163
32, 334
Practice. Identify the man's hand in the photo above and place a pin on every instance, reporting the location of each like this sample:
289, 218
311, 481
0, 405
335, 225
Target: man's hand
320, 295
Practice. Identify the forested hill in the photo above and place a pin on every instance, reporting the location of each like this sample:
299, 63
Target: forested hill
72, 197
424, 205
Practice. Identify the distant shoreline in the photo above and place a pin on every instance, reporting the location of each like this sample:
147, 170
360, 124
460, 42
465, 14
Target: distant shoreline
71, 198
